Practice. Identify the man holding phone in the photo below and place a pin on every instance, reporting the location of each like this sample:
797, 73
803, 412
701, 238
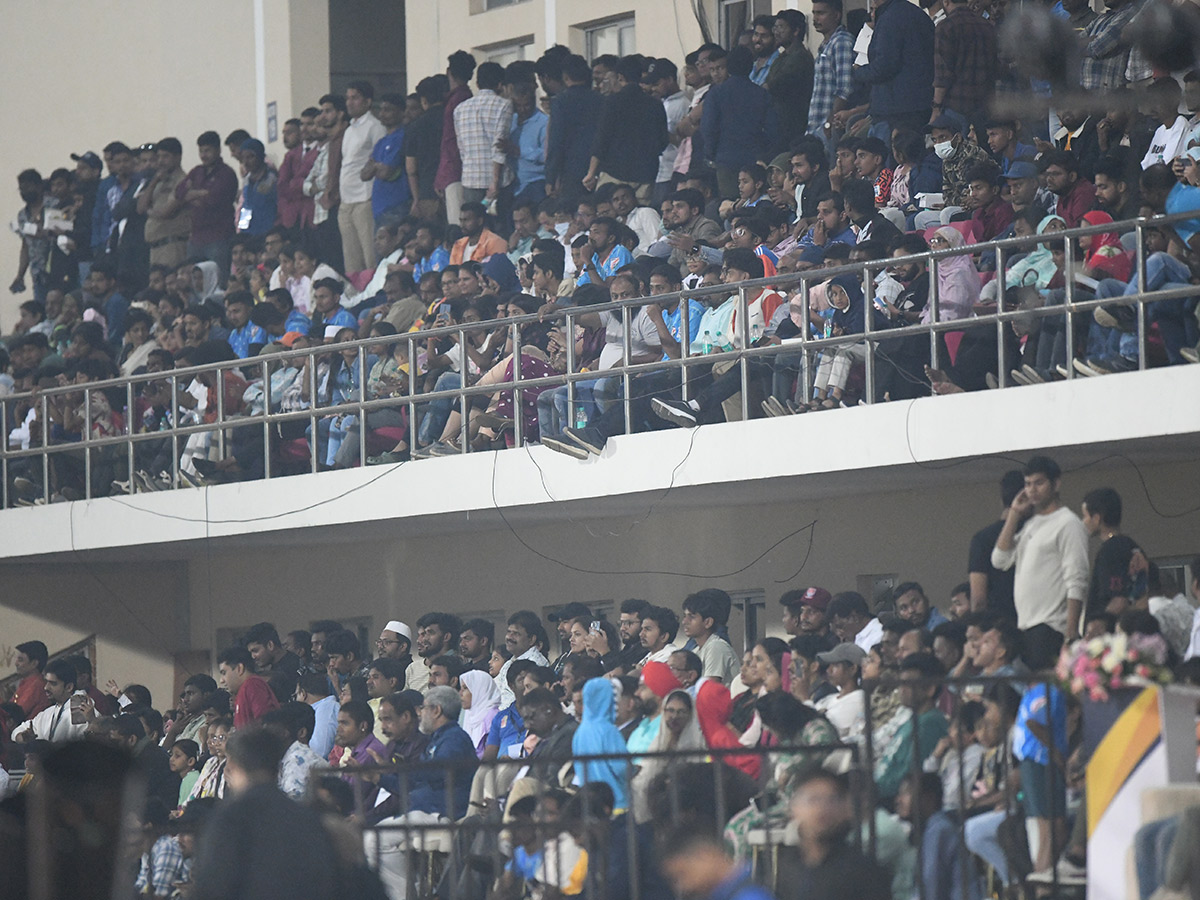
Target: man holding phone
57, 722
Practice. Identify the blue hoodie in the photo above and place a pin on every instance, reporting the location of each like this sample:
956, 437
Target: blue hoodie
597, 734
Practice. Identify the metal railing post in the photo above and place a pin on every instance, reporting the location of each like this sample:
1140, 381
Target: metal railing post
1001, 368
174, 433
626, 360
45, 422
221, 373
569, 338
266, 427
361, 362
314, 442
806, 372
934, 312
518, 425
1141, 289
1069, 303
743, 329
129, 431
868, 317
87, 442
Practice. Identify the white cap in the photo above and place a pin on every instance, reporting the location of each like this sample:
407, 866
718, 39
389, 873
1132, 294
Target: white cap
331, 331
399, 628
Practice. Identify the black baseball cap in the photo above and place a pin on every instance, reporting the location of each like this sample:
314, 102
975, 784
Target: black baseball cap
89, 158
658, 70
570, 611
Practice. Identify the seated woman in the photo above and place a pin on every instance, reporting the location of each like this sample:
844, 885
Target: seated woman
845, 296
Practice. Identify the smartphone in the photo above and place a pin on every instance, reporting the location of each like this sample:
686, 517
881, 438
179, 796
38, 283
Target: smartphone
595, 626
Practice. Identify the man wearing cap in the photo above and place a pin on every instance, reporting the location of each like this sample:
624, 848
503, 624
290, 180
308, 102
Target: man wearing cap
87, 179
1020, 187
804, 612
209, 191
168, 221
259, 192
395, 642
958, 154
562, 620
846, 709
662, 81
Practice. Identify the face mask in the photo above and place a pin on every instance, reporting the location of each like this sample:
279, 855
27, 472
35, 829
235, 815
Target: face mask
944, 150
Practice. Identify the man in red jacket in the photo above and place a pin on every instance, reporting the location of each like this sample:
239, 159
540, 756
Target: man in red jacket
31, 691
299, 136
252, 695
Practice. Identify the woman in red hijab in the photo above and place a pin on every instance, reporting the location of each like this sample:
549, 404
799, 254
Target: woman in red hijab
714, 705
1106, 256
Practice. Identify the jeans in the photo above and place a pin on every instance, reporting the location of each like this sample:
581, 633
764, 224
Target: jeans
943, 859
982, 831
592, 398
1163, 272
1151, 846
1176, 323
437, 412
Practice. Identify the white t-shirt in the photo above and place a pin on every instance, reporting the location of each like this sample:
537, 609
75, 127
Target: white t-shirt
362, 134
1051, 559
871, 634
643, 338
847, 714
1167, 143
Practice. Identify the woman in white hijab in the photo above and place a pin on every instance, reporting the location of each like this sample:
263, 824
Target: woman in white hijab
680, 730
480, 701
206, 282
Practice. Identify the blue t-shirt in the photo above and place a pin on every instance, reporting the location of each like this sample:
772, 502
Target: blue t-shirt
616, 260
507, 728
434, 262
340, 317
297, 321
1184, 198
673, 321
240, 339
1036, 707
525, 864
387, 195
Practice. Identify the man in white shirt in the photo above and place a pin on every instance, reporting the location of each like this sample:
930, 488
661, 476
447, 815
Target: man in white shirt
1047, 544
1194, 645
523, 634
389, 250
1171, 137
355, 218
851, 620
846, 709
314, 690
659, 626
54, 722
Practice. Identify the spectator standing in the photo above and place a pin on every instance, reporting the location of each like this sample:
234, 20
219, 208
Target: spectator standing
423, 146
355, 220
322, 181
662, 81
390, 196
1106, 52
258, 213
209, 191
790, 81
1046, 543
574, 116
631, 135
35, 240
965, 63
127, 240
482, 124
448, 181
526, 145
1110, 575
833, 82
899, 68
88, 167
738, 124
299, 137
766, 50
992, 588
168, 221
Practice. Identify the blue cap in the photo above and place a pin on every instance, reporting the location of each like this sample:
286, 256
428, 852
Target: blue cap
255, 146
950, 120
89, 158
1020, 169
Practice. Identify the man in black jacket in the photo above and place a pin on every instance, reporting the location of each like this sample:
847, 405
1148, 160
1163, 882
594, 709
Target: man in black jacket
631, 135
574, 115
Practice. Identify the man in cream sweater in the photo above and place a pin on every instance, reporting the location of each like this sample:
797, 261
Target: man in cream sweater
1048, 545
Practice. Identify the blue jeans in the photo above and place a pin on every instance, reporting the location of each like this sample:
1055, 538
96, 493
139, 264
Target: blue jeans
981, 840
1163, 271
1176, 323
592, 398
437, 412
942, 861
1151, 847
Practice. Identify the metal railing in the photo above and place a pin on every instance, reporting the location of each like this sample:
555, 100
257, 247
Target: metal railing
698, 788
120, 451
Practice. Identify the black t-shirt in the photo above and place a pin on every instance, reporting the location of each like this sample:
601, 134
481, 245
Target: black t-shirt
1110, 573
1000, 584
846, 874
423, 141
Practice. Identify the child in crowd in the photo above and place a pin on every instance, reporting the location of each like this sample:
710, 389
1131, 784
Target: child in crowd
957, 757
182, 761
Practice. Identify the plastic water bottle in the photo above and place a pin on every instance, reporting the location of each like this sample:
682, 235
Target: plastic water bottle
756, 331
581, 417
706, 346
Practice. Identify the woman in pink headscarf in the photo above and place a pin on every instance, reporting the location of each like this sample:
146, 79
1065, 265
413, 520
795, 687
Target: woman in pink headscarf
957, 279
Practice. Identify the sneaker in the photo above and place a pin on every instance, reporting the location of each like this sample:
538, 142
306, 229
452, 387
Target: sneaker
1064, 872
122, 487
1122, 318
794, 408
1063, 371
590, 438
774, 408
1018, 377
1084, 369
144, 483
444, 448
70, 494
1034, 376
566, 447
187, 479
204, 467
493, 421
26, 489
677, 412
1191, 354
992, 381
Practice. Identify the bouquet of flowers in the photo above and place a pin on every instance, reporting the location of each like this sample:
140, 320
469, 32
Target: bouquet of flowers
1113, 661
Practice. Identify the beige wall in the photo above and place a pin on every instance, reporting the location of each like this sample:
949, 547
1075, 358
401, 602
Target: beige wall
79, 75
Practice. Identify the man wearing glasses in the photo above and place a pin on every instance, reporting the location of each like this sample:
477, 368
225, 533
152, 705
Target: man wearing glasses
395, 642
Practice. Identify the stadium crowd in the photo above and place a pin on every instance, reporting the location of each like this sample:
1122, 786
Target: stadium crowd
960, 724
490, 192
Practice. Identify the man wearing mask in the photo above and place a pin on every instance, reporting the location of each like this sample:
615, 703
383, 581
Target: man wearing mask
958, 155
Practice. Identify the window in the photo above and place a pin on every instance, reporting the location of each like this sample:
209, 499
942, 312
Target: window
615, 37
734, 16
478, 6
752, 604
506, 53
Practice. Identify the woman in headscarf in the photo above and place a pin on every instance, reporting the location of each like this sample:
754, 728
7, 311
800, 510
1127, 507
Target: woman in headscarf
713, 708
206, 283
957, 279
1106, 256
680, 731
480, 701
845, 296
597, 735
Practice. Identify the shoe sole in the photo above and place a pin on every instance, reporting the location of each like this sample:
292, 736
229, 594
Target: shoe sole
594, 449
1019, 377
1190, 355
565, 447
1084, 369
672, 415
1105, 319
1034, 376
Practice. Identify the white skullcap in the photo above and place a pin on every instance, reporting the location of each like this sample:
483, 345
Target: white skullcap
399, 628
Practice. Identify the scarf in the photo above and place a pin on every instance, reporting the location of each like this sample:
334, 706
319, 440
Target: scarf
957, 278
689, 739
485, 700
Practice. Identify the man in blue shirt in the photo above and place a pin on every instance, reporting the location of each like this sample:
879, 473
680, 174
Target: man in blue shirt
766, 50
390, 194
102, 284
508, 728
259, 192
423, 790
244, 335
526, 145
326, 308
739, 123
606, 257
431, 245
